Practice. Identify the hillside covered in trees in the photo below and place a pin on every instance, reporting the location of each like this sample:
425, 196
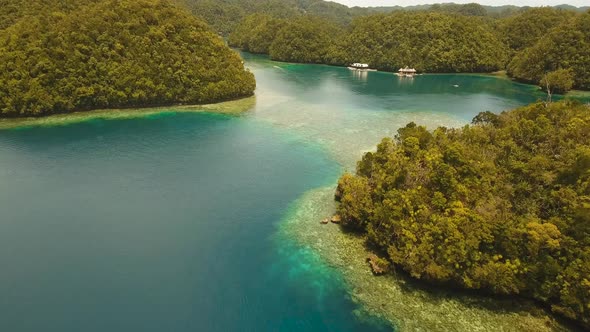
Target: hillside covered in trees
502, 205
566, 47
224, 15
525, 29
61, 56
430, 42
531, 44
446, 44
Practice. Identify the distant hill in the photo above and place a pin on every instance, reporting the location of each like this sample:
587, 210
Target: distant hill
505, 10
569, 7
224, 15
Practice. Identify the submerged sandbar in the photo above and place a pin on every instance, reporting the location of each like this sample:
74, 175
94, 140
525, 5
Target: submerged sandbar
232, 107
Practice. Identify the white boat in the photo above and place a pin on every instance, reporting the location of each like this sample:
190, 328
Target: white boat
360, 66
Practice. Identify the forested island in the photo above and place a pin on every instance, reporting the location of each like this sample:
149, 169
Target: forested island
544, 46
64, 56
502, 205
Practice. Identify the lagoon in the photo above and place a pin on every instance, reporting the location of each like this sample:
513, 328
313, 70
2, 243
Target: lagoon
181, 221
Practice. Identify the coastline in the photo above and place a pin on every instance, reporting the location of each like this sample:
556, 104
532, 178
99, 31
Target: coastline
406, 303
231, 107
395, 298
499, 74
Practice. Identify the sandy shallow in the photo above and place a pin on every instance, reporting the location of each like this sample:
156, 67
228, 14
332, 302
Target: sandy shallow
232, 107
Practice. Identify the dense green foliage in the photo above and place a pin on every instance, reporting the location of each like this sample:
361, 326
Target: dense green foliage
445, 38
256, 33
307, 39
304, 39
431, 42
525, 29
224, 15
502, 205
558, 81
11, 11
567, 46
470, 9
114, 54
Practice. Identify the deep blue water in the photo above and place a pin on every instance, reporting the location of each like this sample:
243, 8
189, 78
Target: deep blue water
158, 224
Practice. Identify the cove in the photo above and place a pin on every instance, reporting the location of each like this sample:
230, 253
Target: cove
178, 221
157, 224
349, 111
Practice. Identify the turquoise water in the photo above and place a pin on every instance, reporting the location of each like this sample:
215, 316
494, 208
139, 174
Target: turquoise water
160, 224
169, 222
349, 112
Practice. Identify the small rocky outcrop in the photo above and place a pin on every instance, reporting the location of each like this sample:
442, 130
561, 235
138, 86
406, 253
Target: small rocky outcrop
378, 265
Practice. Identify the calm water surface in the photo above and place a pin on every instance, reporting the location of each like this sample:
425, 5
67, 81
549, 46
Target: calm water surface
168, 223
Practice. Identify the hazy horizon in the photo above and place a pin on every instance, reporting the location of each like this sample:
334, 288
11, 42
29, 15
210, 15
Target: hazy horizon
536, 3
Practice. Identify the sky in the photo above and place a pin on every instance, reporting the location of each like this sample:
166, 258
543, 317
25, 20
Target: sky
367, 3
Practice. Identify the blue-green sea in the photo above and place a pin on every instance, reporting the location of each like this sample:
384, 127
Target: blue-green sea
170, 222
